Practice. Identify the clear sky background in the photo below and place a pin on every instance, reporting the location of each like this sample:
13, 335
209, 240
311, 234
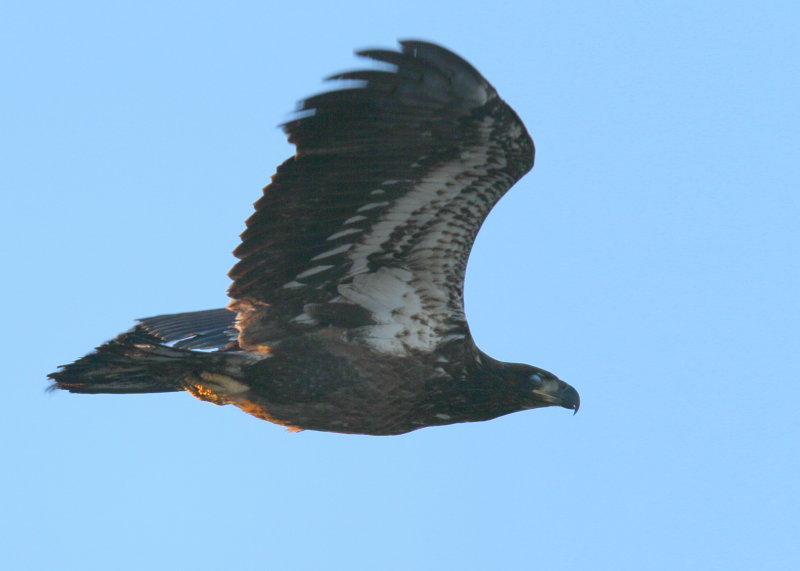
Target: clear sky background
650, 259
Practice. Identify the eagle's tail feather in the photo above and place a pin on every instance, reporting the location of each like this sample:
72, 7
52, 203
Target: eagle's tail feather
153, 357
208, 329
133, 362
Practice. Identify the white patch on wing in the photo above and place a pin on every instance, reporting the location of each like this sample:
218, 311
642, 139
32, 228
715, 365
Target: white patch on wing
372, 205
304, 319
346, 232
407, 268
390, 297
430, 229
329, 253
418, 206
314, 270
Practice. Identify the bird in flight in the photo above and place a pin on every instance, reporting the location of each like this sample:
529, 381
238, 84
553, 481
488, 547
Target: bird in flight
347, 301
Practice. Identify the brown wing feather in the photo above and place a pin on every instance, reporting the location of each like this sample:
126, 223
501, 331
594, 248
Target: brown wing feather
399, 172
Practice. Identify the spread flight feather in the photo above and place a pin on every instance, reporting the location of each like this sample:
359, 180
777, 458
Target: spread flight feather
381, 204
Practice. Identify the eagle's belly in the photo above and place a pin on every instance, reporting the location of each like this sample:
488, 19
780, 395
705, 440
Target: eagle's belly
322, 382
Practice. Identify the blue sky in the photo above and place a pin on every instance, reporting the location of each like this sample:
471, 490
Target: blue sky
650, 259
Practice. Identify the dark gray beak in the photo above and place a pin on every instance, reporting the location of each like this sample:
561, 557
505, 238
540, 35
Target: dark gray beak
570, 398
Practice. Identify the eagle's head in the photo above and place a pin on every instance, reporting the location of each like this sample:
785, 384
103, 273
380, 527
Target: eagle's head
538, 388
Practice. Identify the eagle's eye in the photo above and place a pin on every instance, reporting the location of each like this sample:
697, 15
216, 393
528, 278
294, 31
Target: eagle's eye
536, 378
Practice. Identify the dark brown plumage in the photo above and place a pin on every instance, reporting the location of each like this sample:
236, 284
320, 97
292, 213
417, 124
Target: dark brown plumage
348, 311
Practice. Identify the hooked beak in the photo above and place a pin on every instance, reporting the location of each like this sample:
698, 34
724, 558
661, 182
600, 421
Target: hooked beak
556, 392
570, 398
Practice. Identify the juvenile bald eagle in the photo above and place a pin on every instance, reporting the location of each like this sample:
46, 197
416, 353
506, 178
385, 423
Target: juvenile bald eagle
347, 311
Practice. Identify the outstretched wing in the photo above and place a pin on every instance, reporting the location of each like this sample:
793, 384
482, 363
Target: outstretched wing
372, 221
